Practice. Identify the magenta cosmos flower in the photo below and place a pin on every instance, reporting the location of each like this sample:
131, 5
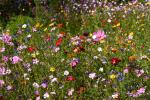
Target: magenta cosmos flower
16, 59
98, 35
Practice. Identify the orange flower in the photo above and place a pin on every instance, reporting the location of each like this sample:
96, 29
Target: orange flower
60, 25
132, 58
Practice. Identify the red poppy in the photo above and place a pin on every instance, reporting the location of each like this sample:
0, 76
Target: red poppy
115, 61
31, 49
70, 78
58, 42
82, 37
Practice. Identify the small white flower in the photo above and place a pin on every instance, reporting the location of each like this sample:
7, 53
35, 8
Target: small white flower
115, 95
24, 25
99, 49
92, 75
101, 69
94, 36
51, 76
52, 93
36, 85
37, 98
35, 61
95, 57
109, 20
66, 72
70, 92
54, 80
46, 95
29, 36
8, 71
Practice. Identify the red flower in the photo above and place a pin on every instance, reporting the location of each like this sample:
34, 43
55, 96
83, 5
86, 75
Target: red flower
31, 49
115, 61
58, 42
47, 38
70, 78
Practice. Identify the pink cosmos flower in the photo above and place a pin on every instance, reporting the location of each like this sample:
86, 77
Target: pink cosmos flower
6, 39
74, 62
5, 58
138, 93
141, 91
99, 35
2, 71
16, 59
2, 83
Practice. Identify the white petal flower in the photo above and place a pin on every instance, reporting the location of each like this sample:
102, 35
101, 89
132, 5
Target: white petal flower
24, 25
46, 95
66, 72
99, 49
92, 75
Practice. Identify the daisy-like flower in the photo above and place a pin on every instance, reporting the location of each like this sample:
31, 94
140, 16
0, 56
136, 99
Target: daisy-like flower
35, 61
36, 85
66, 72
24, 25
46, 95
115, 95
70, 91
99, 49
92, 75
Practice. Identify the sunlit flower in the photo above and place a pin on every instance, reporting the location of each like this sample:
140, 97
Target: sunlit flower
92, 75
16, 59
46, 95
99, 35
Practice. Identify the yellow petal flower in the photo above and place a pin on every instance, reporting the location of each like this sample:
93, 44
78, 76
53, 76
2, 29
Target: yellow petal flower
113, 76
52, 69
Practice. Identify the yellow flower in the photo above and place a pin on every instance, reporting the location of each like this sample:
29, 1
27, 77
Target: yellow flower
45, 29
52, 69
37, 25
112, 76
35, 54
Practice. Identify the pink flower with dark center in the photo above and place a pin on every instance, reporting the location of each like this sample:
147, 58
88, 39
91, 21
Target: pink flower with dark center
99, 35
74, 62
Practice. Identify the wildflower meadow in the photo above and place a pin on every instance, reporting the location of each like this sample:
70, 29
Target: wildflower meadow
97, 50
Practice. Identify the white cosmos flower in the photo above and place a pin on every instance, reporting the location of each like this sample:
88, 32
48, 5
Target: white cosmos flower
24, 25
99, 49
46, 95
92, 75
66, 72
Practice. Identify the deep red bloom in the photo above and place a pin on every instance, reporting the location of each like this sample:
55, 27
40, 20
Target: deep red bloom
31, 49
70, 78
58, 42
115, 61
